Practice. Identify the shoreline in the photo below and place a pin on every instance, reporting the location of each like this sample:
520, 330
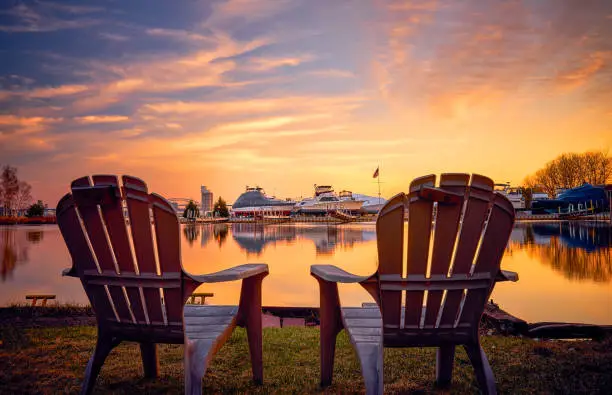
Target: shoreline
495, 321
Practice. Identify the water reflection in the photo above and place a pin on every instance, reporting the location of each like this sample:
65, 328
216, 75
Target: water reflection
14, 246
565, 269
579, 250
191, 233
254, 238
220, 232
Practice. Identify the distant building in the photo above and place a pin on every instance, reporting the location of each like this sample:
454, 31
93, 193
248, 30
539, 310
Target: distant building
207, 200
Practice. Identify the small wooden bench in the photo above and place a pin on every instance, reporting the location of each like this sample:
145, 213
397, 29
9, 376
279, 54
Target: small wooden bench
35, 298
201, 295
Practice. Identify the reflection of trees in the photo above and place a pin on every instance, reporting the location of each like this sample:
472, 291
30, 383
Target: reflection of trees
220, 232
581, 251
575, 263
191, 232
14, 250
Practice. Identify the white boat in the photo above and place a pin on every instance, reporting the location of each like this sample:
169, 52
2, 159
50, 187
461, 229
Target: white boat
513, 194
325, 200
254, 203
371, 204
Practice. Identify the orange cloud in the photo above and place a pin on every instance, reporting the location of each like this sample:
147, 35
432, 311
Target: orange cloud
577, 77
102, 119
265, 64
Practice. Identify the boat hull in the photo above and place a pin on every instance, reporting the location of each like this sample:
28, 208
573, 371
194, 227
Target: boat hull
280, 210
352, 206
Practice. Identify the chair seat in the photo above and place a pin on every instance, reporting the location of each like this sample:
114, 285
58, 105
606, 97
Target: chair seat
208, 322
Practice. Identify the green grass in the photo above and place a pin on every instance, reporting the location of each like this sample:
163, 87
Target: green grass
51, 360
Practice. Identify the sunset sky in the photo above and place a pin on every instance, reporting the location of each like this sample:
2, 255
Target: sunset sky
286, 94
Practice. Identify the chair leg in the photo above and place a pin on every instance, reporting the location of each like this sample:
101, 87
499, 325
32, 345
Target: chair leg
482, 369
196, 363
330, 326
254, 335
250, 317
150, 361
371, 360
104, 345
445, 359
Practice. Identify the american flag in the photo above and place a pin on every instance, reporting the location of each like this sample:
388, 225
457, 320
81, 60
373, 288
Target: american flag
375, 173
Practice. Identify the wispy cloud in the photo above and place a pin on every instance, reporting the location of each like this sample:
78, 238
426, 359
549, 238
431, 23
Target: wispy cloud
47, 17
113, 36
102, 119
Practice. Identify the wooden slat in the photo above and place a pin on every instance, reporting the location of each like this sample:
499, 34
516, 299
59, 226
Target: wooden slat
115, 224
73, 235
479, 195
112, 212
208, 322
87, 199
137, 198
445, 234
88, 210
495, 238
419, 233
81, 255
169, 252
390, 241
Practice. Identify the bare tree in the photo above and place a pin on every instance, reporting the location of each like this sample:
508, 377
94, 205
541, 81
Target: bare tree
10, 188
571, 170
24, 197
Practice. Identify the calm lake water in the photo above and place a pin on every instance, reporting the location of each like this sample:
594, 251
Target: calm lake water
565, 269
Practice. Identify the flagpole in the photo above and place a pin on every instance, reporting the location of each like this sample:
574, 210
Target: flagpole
378, 179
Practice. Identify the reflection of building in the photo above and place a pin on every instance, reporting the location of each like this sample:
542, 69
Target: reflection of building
255, 237
207, 200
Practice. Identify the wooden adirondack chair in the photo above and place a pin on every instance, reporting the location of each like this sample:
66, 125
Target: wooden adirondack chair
416, 307
132, 274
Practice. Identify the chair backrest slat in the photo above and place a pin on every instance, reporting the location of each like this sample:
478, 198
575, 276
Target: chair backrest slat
474, 216
419, 234
390, 241
138, 203
81, 253
89, 200
445, 235
494, 241
112, 213
167, 234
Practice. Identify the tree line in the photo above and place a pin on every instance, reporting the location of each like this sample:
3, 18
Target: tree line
16, 195
570, 170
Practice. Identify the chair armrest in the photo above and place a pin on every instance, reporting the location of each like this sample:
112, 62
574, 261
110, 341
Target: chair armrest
334, 274
506, 275
70, 272
232, 274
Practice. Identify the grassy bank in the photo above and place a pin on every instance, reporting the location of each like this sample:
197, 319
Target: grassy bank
53, 359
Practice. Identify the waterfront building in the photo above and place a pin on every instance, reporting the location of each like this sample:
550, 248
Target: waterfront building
207, 200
